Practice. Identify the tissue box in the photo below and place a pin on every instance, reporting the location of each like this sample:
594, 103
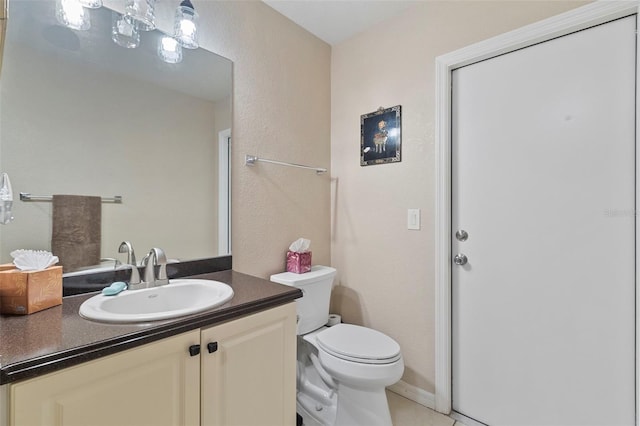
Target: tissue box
26, 292
298, 263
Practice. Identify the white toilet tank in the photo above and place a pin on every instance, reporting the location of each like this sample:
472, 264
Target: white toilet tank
313, 307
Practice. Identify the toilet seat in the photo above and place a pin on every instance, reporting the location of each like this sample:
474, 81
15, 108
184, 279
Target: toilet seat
358, 344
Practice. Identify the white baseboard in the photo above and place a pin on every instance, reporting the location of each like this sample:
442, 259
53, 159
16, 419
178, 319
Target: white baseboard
414, 393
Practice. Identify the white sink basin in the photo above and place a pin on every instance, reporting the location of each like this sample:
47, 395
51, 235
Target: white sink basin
178, 298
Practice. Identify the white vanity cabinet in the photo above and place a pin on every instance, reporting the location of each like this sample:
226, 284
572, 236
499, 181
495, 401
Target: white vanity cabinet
154, 384
241, 372
251, 378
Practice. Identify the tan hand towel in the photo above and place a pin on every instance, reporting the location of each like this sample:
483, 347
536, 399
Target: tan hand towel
76, 230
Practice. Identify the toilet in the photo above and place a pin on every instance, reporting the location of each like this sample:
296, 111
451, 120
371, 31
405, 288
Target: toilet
342, 369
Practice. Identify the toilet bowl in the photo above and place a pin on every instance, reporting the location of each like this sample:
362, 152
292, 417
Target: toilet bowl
362, 363
360, 356
343, 369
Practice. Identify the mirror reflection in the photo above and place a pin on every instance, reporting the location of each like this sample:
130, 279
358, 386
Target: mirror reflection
81, 115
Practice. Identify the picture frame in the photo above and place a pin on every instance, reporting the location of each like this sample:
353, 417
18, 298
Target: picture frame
380, 136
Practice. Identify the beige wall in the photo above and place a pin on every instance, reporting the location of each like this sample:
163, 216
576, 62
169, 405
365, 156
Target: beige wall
281, 111
386, 272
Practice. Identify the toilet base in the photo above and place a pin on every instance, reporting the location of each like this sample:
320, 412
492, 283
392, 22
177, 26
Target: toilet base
347, 406
315, 401
362, 407
311, 417
341, 394
356, 408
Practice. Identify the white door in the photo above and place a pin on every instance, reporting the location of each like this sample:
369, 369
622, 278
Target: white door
543, 182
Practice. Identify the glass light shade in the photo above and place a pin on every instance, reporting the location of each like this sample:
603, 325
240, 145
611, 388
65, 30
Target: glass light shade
70, 13
169, 50
91, 4
143, 11
124, 31
185, 27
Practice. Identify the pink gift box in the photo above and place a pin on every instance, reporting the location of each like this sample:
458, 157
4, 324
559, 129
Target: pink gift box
298, 263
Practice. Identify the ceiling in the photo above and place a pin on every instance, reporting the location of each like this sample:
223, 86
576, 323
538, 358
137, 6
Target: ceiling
337, 20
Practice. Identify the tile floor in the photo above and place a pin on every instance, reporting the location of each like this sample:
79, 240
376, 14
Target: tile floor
405, 412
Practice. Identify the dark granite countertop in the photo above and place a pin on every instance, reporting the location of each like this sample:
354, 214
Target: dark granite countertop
46, 341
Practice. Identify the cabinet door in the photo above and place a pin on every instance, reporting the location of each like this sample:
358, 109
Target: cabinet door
155, 384
251, 378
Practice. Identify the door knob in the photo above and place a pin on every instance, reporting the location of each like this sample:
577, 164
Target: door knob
460, 259
462, 235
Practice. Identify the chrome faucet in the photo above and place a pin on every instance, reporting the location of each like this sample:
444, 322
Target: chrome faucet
126, 247
155, 257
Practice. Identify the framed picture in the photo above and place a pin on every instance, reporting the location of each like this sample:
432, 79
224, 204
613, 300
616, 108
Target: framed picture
380, 139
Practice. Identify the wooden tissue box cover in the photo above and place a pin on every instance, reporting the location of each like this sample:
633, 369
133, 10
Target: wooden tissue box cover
26, 292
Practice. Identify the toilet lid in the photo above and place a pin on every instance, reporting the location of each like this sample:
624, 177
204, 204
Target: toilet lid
358, 344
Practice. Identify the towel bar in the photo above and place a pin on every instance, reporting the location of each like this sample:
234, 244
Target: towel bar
250, 160
25, 196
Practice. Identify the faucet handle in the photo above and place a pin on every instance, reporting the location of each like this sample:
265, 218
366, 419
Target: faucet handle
127, 247
155, 257
161, 259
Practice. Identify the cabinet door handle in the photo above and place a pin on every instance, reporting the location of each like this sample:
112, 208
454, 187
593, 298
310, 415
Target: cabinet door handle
212, 347
194, 350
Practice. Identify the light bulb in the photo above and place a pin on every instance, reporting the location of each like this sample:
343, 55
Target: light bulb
185, 27
70, 13
169, 50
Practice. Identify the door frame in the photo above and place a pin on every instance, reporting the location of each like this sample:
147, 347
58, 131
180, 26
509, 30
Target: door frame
574, 20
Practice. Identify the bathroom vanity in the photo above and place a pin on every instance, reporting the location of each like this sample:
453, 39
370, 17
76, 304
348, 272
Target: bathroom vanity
231, 365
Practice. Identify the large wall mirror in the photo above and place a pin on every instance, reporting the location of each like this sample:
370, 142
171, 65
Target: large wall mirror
82, 115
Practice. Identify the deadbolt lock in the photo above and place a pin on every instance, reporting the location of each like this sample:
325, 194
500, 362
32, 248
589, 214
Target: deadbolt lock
460, 259
462, 235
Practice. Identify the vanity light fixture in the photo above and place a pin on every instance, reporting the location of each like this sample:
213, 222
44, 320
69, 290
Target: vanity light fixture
185, 27
72, 14
143, 12
139, 15
169, 50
